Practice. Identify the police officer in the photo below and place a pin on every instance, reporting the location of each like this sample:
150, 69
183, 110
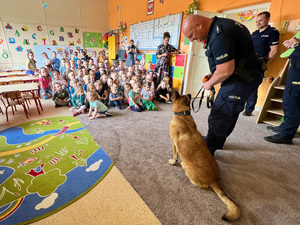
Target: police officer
233, 62
291, 99
265, 40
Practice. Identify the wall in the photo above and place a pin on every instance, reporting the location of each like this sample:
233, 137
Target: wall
133, 11
85, 15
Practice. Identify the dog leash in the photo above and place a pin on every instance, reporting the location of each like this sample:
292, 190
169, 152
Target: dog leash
209, 101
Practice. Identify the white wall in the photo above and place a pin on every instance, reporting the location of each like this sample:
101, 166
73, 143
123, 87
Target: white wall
85, 15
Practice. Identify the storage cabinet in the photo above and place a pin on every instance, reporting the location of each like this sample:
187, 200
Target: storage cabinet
177, 68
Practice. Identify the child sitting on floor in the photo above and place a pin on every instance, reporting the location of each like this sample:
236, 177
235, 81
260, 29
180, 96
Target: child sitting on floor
73, 84
115, 99
79, 76
135, 98
45, 84
147, 97
57, 79
61, 96
100, 110
78, 101
162, 94
104, 94
126, 90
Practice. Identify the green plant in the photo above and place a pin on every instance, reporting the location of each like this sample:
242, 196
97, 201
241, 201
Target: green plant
194, 6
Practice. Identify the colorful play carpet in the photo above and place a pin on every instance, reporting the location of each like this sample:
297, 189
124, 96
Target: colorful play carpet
46, 165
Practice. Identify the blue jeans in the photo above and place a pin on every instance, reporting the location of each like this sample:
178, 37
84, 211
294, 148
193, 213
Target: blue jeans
47, 90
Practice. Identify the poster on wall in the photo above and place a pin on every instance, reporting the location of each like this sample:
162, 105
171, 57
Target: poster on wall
92, 40
39, 49
150, 7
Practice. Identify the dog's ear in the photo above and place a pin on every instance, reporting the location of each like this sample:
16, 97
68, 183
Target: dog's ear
186, 101
176, 95
189, 96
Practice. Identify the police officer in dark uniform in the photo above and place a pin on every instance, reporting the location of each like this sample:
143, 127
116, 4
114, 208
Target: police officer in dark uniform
291, 99
233, 62
265, 40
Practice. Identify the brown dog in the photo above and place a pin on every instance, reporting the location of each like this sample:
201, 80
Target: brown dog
199, 165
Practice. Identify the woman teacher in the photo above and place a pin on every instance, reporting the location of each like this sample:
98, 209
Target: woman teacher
131, 51
163, 54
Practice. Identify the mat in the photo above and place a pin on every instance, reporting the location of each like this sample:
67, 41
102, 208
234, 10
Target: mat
46, 165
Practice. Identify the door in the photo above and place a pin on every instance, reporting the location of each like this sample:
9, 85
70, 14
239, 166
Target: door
197, 64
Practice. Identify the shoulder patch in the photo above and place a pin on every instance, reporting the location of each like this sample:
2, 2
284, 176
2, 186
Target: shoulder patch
222, 56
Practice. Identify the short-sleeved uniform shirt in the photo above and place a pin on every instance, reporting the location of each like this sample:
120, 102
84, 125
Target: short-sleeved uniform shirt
227, 40
99, 105
263, 40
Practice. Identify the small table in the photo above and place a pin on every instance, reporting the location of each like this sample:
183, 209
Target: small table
12, 74
25, 79
29, 87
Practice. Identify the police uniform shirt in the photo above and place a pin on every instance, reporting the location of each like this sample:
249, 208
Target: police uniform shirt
263, 40
227, 40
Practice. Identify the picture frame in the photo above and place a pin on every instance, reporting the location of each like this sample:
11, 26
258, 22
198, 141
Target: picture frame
150, 7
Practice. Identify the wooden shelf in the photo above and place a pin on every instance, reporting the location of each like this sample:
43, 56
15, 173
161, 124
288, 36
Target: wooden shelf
276, 99
276, 111
271, 121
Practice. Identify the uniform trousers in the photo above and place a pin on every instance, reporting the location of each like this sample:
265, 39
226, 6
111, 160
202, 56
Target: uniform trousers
291, 102
229, 102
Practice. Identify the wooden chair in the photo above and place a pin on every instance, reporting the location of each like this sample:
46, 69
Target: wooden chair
13, 98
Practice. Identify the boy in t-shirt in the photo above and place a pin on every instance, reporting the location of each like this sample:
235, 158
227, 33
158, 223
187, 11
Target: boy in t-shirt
55, 61
61, 96
162, 94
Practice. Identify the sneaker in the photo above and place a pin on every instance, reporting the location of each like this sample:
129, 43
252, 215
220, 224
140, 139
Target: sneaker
107, 114
118, 107
154, 108
74, 113
169, 102
149, 107
278, 140
274, 129
247, 113
129, 107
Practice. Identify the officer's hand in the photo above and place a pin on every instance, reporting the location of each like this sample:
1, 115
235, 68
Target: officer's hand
207, 86
288, 44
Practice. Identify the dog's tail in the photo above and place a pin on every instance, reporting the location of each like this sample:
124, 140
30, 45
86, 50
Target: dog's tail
233, 212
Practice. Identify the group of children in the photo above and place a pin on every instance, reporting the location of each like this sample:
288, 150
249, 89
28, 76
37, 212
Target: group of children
91, 84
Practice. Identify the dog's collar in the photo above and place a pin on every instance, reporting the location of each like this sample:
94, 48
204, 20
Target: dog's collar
183, 113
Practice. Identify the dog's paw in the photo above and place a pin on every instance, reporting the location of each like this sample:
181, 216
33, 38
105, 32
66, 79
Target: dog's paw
172, 161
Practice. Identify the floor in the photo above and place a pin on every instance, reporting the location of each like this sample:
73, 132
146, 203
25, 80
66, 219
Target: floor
112, 201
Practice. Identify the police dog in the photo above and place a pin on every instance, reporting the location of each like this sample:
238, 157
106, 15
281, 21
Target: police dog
199, 165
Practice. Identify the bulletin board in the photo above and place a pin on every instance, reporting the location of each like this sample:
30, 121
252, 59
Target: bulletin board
92, 40
148, 35
18, 39
39, 49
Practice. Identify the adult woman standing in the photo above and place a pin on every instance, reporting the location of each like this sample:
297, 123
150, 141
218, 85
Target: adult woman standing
131, 51
163, 54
